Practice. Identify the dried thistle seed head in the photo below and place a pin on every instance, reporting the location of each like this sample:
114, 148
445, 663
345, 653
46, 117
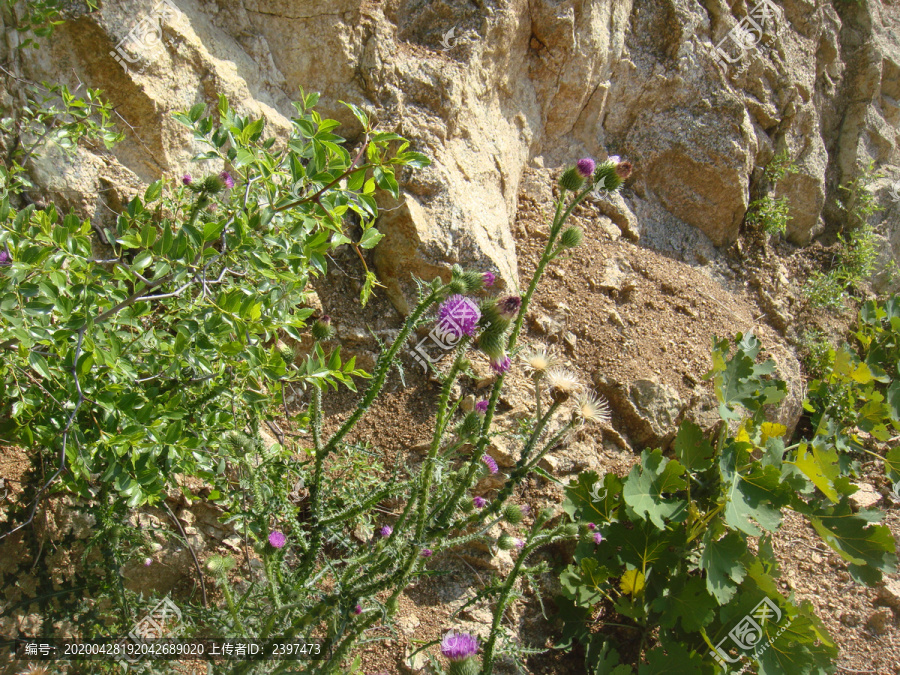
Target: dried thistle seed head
592, 408
571, 179
563, 383
35, 669
539, 359
513, 514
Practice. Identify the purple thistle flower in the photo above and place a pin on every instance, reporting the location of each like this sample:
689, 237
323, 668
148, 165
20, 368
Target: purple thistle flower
5, 258
519, 543
277, 539
597, 537
479, 502
459, 316
186, 179
427, 552
591, 526
357, 610
481, 407
148, 562
509, 306
586, 167
489, 279
490, 463
500, 366
227, 179
386, 531
459, 646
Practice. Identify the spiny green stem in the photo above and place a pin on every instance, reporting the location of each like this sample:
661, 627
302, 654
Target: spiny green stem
384, 365
428, 469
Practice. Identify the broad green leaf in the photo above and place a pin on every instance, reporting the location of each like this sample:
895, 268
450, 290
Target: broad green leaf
869, 549
692, 449
153, 192
754, 497
592, 501
370, 238
687, 601
647, 484
721, 560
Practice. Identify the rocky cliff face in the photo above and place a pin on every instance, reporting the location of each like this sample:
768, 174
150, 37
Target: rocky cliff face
487, 88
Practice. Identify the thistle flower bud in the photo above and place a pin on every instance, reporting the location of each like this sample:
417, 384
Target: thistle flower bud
513, 514
212, 185
598, 538
488, 279
491, 342
457, 286
219, 564
612, 173
500, 366
506, 542
286, 352
470, 426
509, 306
544, 515
571, 180
460, 650
467, 667
186, 179
227, 180
322, 329
571, 237
570, 530
240, 443
585, 167
474, 281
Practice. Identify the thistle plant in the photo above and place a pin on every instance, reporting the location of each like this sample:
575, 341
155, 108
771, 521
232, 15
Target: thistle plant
167, 357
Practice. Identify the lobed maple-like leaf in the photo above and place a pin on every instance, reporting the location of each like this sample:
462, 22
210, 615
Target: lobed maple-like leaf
647, 484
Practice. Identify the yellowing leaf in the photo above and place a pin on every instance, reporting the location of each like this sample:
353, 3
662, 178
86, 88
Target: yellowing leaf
820, 466
632, 582
772, 430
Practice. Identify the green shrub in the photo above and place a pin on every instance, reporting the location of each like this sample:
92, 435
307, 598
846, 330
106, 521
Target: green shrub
666, 571
772, 215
